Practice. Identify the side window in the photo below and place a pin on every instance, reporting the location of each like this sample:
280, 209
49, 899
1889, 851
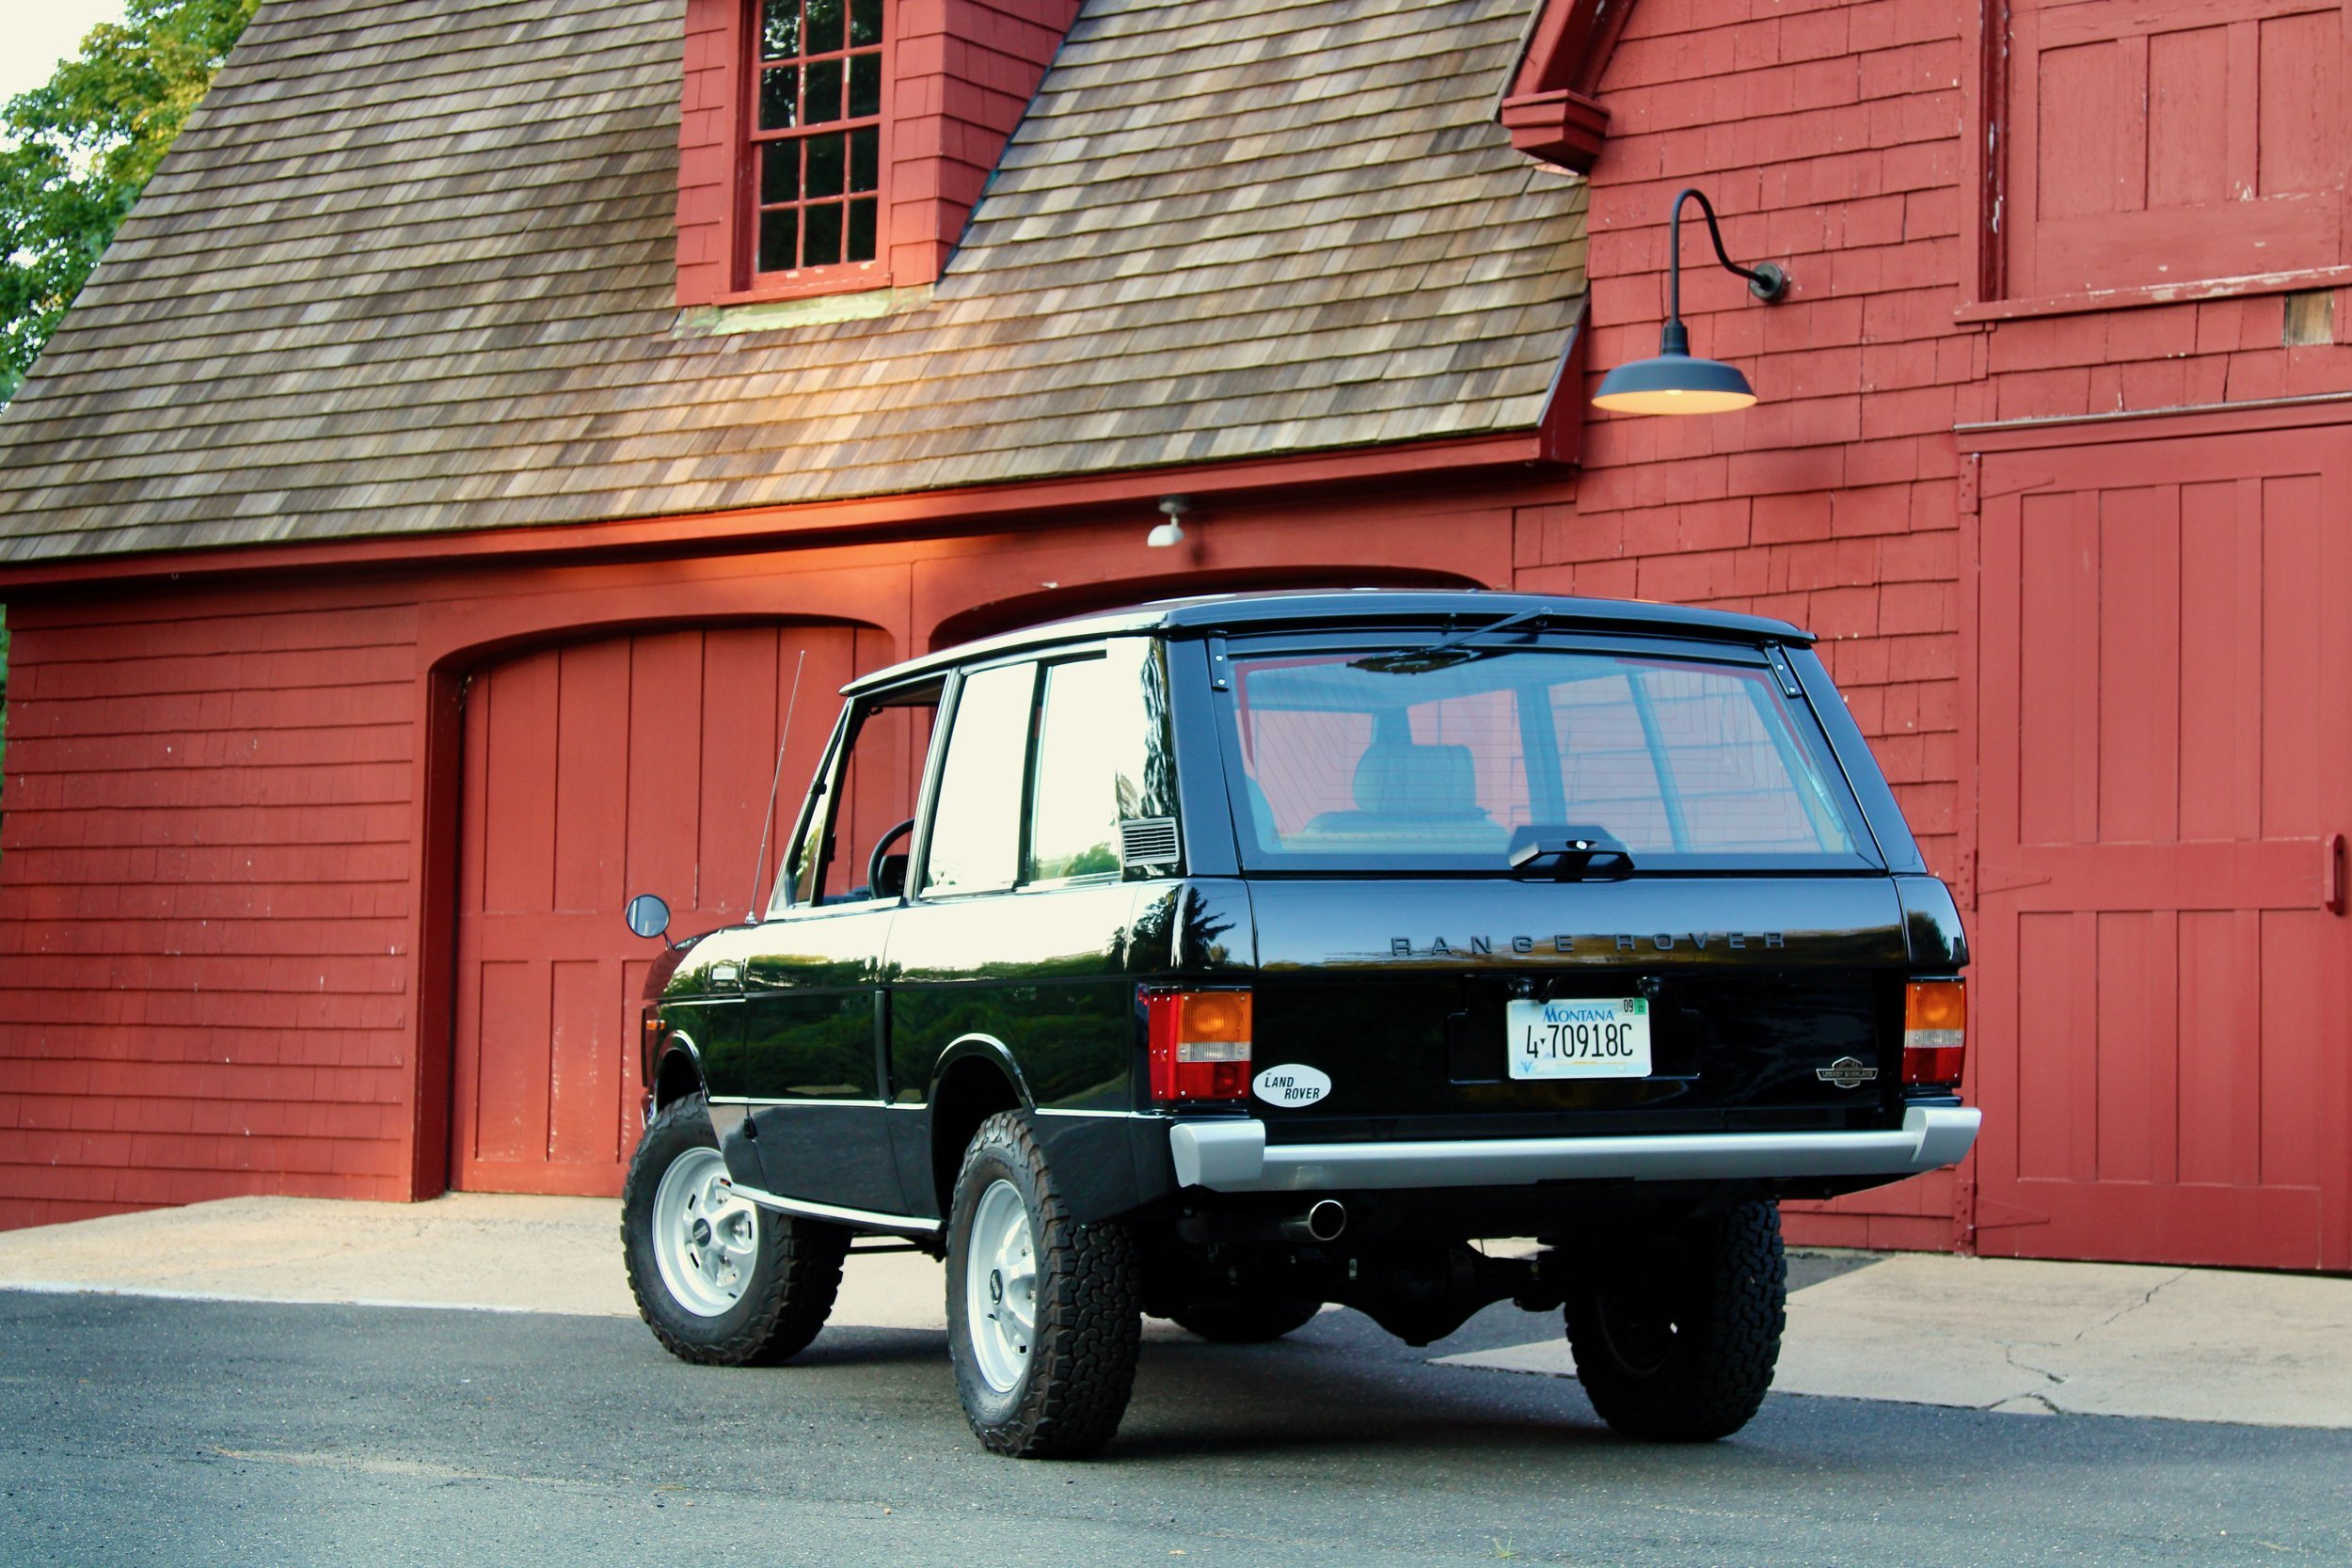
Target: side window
869, 791
975, 826
1075, 809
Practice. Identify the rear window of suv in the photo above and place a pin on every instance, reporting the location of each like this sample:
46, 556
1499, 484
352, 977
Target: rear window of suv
1401, 759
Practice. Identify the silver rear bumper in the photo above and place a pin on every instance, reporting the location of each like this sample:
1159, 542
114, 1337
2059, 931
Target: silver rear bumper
1232, 1156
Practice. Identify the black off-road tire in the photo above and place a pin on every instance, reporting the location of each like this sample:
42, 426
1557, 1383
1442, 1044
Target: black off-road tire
1680, 1346
1069, 1397
795, 1274
1247, 1323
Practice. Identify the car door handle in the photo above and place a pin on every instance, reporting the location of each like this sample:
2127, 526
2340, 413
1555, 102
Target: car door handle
727, 972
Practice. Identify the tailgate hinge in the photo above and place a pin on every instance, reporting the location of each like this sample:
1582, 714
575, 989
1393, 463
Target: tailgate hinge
1782, 668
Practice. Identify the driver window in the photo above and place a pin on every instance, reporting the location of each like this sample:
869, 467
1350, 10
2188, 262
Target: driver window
871, 792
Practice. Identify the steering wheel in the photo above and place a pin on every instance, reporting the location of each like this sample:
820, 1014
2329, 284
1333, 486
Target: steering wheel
881, 849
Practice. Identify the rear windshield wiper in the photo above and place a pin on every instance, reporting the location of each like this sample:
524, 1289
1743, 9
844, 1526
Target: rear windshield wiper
1569, 854
1416, 660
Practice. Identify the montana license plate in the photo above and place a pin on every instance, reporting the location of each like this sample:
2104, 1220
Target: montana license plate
1585, 1037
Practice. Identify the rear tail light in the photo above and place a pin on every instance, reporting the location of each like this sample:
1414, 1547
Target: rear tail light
1200, 1042
1935, 1031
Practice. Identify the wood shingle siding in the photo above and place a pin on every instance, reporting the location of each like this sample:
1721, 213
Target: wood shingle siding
430, 249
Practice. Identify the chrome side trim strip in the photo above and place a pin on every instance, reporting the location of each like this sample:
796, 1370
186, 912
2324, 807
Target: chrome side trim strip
904, 1225
1233, 1156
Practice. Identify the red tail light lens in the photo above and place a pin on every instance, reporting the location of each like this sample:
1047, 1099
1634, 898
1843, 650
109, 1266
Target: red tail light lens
1935, 1031
1200, 1042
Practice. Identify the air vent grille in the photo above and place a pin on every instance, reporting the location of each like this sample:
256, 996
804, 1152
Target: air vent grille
1148, 841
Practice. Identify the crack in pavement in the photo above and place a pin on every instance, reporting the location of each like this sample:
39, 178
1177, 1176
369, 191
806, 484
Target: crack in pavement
375, 1465
2009, 1352
2146, 1296
2012, 1351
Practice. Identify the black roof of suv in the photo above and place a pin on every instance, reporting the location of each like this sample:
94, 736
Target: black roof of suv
1352, 606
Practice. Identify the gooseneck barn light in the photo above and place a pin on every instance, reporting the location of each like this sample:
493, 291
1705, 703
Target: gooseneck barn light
1675, 383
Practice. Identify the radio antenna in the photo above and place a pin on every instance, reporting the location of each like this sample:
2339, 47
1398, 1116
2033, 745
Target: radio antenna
750, 909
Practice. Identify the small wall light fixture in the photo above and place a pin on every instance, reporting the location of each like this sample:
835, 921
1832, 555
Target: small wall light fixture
1172, 531
1675, 383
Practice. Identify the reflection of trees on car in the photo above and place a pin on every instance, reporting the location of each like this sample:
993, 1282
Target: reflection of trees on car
1073, 1041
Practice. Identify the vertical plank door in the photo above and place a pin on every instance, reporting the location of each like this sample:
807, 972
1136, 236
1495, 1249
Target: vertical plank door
593, 771
2155, 144
2166, 764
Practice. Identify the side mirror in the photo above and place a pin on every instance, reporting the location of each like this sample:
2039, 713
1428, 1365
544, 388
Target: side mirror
647, 915
890, 876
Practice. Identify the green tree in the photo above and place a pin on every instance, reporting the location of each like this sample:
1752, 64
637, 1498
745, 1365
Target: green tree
74, 152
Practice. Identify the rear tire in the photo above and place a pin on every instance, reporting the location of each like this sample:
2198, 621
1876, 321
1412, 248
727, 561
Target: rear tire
1680, 1346
720, 1282
1247, 1323
1045, 1315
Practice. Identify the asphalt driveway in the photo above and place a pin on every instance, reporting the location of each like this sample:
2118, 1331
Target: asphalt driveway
141, 1430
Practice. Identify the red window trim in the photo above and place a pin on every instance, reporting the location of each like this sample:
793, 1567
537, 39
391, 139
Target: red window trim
2156, 293
751, 286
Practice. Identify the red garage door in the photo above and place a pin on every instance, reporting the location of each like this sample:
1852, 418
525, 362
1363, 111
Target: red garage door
2165, 751
592, 771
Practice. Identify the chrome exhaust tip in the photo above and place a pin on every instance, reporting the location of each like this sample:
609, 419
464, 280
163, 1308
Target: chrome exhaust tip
1321, 1223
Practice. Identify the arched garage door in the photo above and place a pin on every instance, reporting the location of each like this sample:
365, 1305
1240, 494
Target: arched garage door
594, 770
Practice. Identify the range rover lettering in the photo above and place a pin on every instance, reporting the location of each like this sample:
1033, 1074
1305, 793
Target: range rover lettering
1225, 958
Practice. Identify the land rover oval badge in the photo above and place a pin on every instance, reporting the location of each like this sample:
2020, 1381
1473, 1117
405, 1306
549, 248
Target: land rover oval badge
1290, 1083
1847, 1072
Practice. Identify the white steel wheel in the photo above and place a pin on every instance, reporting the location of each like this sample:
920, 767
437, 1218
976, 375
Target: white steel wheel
705, 1240
1043, 1311
719, 1284
1000, 1287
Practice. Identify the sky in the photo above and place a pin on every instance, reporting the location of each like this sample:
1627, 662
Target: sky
35, 34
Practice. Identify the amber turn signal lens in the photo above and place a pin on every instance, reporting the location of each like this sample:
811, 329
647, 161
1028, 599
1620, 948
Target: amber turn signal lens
1935, 1031
1212, 1016
1199, 1044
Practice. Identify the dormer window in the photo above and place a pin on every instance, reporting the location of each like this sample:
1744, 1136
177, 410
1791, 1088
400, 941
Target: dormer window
815, 136
838, 146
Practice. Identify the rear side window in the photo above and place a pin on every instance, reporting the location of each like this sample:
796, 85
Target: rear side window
1393, 761
1074, 808
975, 827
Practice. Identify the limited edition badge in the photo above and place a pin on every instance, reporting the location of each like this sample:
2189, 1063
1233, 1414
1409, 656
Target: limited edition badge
1292, 1084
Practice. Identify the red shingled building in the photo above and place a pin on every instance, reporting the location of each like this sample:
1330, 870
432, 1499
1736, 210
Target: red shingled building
411, 538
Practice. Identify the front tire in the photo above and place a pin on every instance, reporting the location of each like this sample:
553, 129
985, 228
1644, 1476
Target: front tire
1044, 1316
1679, 1347
720, 1282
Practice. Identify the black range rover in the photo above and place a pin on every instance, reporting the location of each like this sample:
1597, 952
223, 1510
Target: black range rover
1243, 955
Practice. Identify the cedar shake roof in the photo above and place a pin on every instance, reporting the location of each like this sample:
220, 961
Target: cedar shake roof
410, 268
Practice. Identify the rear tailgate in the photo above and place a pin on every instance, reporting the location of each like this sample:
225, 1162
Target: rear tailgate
1772, 1001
